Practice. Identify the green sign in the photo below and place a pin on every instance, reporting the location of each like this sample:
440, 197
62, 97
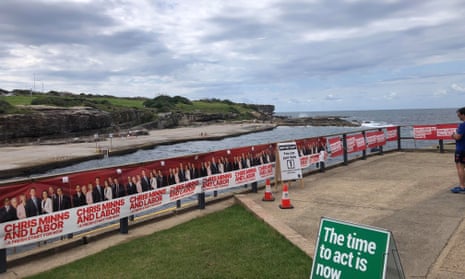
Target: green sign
349, 251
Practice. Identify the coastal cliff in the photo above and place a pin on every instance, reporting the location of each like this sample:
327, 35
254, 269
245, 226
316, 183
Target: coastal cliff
48, 122
31, 117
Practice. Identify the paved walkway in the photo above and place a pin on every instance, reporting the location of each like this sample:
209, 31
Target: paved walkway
406, 193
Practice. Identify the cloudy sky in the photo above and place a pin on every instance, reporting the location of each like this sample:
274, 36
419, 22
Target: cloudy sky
298, 55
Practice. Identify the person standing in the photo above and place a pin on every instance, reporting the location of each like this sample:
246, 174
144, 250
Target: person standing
7, 212
131, 186
90, 194
46, 203
138, 184
98, 191
32, 204
459, 156
63, 202
79, 197
51, 194
21, 209
118, 189
107, 191
145, 182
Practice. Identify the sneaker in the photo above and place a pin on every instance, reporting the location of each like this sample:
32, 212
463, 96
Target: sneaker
457, 189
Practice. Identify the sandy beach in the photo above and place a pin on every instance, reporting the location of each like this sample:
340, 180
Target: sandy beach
20, 160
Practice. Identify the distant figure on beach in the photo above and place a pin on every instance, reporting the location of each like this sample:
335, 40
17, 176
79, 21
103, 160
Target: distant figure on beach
459, 155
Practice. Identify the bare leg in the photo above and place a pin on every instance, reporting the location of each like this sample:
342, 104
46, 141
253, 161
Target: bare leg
461, 174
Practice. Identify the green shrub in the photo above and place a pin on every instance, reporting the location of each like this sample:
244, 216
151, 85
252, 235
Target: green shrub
5, 107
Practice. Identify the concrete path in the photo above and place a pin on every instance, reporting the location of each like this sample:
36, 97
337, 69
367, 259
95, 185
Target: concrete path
406, 193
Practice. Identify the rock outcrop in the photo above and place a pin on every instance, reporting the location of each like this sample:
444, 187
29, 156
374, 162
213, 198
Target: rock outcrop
46, 121
316, 121
50, 123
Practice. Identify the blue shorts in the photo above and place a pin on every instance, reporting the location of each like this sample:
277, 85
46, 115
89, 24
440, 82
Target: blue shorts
460, 157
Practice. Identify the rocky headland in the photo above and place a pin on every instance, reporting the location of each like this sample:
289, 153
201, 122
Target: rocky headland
42, 124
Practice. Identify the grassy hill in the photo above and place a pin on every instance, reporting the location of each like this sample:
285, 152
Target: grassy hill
160, 104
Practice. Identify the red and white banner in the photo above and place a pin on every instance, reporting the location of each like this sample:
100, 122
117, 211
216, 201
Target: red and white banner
308, 160
43, 227
335, 145
445, 131
391, 134
184, 189
356, 143
434, 132
375, 139
424, 132
238, 177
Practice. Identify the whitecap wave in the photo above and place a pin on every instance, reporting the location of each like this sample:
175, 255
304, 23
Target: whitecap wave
375, 124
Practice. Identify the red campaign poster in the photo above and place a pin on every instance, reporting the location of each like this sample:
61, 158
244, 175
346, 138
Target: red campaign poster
304, 161
375, 139
355, 143
380, 138
335, 146
391, 134
444, 131
424, 132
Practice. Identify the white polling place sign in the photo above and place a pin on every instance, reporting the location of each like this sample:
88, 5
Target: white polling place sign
289, 161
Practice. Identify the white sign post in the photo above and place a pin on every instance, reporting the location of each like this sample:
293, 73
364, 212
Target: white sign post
289, 161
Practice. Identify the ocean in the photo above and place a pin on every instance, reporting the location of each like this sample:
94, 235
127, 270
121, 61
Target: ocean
369, 119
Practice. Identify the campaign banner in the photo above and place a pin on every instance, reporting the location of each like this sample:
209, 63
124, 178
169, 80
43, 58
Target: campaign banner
245, 176
391, 134
147, 200
434, 132
238, 177
375, 139
218, 181
445, 131
265, 171
335, 145
289, 161
424, 132
43, 227
356, 143
184, 189
308, 160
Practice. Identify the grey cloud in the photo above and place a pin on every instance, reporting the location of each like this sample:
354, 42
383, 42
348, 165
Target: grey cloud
236, 28
37, 23
129, 40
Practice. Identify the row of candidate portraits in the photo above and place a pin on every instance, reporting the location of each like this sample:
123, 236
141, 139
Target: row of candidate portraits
54, 199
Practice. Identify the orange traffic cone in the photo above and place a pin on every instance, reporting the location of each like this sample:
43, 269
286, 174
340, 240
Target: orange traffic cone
285, 201
268, 194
